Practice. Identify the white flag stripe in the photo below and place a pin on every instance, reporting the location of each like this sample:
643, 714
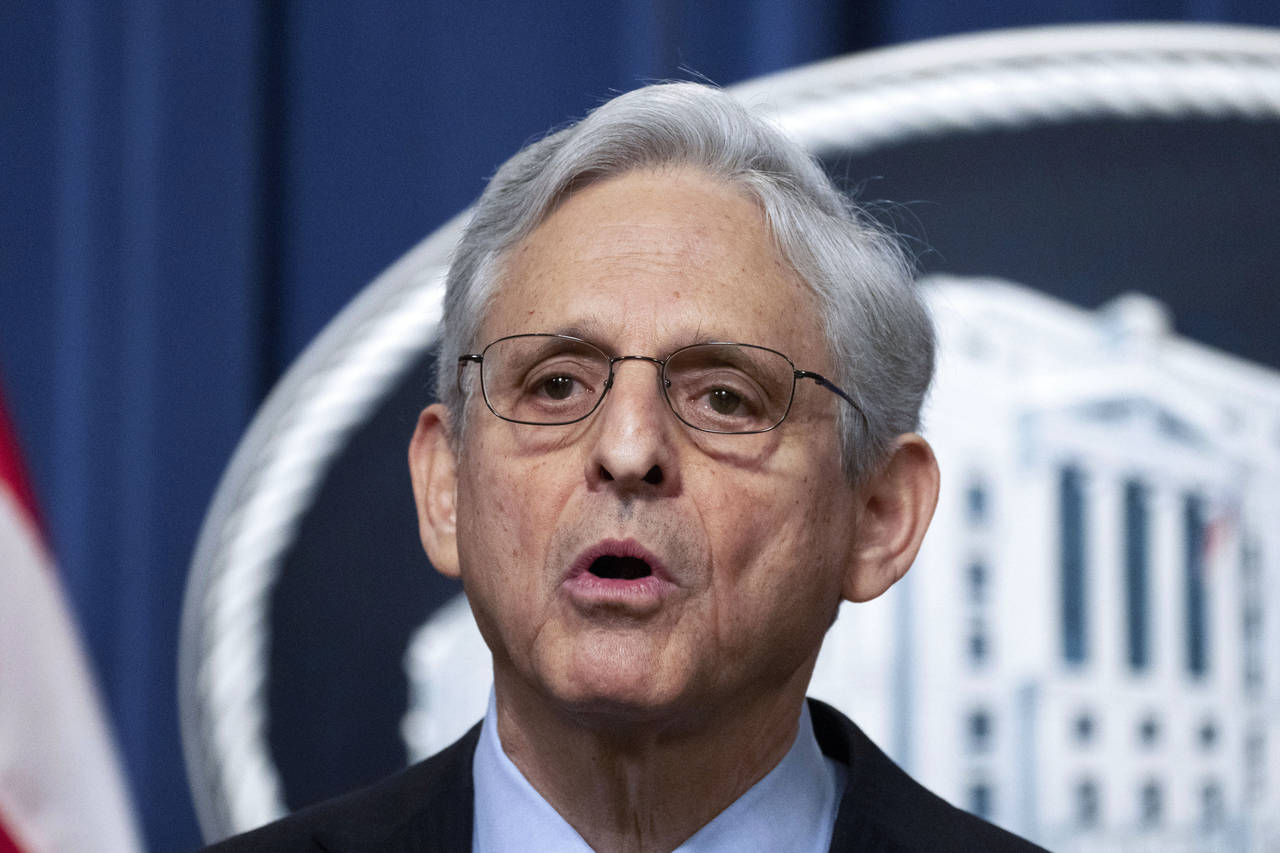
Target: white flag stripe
60, 784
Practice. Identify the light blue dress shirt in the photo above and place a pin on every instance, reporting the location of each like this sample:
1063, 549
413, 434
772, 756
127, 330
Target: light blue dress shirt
792, 808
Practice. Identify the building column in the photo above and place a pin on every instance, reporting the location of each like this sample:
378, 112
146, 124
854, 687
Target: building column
1103, 578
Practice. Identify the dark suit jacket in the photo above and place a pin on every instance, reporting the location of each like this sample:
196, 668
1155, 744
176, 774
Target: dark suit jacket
428, 807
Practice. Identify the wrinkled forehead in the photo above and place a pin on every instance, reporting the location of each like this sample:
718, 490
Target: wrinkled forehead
661, 258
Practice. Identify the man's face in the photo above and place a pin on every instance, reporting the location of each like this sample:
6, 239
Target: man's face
745, 538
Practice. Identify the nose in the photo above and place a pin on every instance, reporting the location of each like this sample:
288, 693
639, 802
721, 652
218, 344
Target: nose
632, 437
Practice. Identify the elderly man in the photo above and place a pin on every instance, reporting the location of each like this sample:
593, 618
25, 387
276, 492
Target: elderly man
680, 378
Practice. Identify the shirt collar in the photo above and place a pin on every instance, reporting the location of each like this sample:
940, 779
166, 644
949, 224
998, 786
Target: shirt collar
792, 808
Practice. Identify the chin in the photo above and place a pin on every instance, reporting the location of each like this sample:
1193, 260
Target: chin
613, 694
623, 717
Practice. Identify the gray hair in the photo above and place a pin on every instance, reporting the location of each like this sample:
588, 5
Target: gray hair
878, 332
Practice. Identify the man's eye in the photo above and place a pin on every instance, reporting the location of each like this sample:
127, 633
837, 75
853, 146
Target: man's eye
724, 402
558, 387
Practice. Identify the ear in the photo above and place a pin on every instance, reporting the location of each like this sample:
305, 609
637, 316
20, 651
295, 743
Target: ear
894, 510
433, 468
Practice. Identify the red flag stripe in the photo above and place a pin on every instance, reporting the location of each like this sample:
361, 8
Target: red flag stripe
14, 475
7, 844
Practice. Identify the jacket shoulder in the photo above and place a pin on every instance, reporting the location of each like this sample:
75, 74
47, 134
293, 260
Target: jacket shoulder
884, 809
425, 807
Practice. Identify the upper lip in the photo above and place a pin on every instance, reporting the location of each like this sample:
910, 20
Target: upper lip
617, 548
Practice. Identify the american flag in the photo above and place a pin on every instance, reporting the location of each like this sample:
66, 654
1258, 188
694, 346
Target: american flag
61, 788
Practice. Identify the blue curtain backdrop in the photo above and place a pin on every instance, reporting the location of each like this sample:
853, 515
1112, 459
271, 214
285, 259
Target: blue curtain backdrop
191, 190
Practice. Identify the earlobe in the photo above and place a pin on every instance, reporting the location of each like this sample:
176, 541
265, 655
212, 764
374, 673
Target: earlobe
434, 472
894, 511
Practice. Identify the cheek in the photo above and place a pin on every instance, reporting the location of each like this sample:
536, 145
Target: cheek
503, 531
776, 551
508, 509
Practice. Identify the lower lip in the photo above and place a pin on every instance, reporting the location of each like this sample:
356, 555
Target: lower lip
637, 594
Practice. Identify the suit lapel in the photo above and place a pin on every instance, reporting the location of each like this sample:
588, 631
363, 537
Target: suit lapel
431, 811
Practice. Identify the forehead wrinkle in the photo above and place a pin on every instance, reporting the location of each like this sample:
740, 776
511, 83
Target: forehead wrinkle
666, 330
629, 241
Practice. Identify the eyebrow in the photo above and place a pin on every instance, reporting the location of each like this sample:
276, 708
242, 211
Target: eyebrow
582, 332
591, 336
573, 331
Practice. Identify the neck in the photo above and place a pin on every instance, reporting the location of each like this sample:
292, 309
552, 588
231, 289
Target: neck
638, 786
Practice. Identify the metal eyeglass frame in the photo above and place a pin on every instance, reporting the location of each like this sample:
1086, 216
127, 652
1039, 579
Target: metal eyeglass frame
478, 358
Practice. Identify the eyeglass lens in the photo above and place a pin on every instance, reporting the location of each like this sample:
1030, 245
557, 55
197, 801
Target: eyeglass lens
727, 388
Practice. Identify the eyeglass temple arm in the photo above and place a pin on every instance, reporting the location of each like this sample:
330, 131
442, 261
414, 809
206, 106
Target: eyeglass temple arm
464, 360
834, 389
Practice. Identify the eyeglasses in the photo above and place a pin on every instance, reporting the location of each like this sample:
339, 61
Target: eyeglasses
552, 380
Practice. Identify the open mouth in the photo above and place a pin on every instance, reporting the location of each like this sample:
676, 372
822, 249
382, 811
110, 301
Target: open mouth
619, 568
621, 576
